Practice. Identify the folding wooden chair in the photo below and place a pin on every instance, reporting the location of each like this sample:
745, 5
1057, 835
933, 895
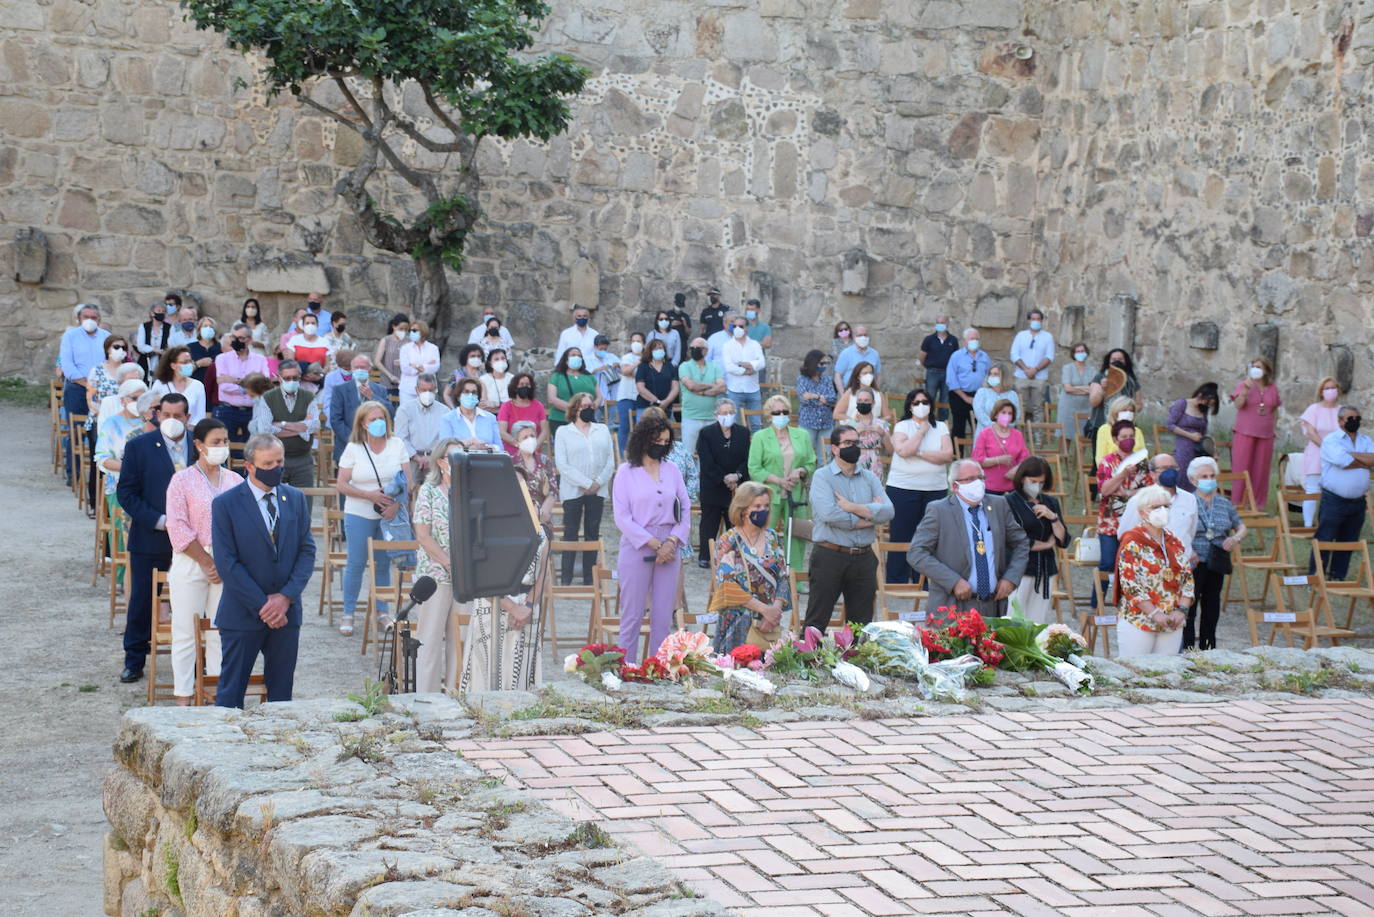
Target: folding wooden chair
899, 601
1056, 463
1162, 440
1246, 507
334, 560
1309, 618
81, 457
207, 684
1359, 588
161, 644
573, 592
119, 570
104, 532
605, 617
1270, 558
1096, 625
963, 445
324, 455
376, 594
1045, 439
1062, 596
59, 425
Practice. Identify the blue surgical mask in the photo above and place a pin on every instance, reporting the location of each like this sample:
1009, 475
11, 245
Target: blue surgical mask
415, 336
186, 369
751, 315
291, 386
1081, 356
973, 345
207, 333
574, 362
941, 327
376, 427
1207, 485
468, 400
780, 420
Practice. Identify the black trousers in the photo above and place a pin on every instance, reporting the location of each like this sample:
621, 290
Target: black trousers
138, 623
582, 514
711, 518
961, 410
240, 649
839, 573
1207, 587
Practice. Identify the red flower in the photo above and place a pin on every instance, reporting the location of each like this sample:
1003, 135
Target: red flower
745, 654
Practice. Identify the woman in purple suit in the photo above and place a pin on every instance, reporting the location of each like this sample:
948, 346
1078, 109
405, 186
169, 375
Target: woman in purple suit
654, 515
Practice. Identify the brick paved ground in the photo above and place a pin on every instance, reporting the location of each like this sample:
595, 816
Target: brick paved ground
1243, 808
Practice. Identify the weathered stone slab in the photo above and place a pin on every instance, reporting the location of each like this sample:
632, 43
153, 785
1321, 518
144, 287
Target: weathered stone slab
287, 277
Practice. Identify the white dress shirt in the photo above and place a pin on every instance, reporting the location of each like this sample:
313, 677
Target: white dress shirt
1351, 483
1030, 347
584, 339
478, 333
735, 356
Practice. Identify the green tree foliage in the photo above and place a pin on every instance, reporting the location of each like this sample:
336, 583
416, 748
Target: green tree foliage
438, 74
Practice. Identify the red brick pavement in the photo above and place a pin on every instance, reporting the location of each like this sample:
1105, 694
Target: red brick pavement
1236, 809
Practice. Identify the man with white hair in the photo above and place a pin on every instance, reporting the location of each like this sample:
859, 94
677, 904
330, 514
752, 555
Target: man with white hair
970, 546
965, 373
1182, 506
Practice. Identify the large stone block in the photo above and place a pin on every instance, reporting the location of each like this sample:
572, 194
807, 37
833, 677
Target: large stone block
23, 119
997, 309
30, 255
284, 276
136, 220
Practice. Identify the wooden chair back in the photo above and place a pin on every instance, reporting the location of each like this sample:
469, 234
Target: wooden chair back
1045, 439
81, 457
58, 424
1246, 505
1096, 625
333, 556
899, 601
119, 568
1361, 587
161, 646
206, 684
573, 592
1302, 609
1162, 440
376, 594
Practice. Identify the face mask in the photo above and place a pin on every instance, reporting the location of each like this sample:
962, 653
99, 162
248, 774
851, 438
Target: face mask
291, 386
238, 345
525, 392
117, 354
581, 322
864, 407
751, 315
659, 354
920, 410
250, 311
1120, 364
779, 420
313, 306
172, 428
941, 327
1004, 419
426, 398
659, 451
493, 331
759, 517
1168, 478
376, 427
636, 347
400, 334
339, 328
1126, 415
1159, 517
587, 415
726, 420
415, 336
160, 316
738, 331
468, 400
697, 353
499, 366
1351, 424
1128, 445
475, 362
862, 341
843, 334
662, 324
1207, 486
529, 444
849, 454
1330, 394
1256, 372
994, 381
574, 362
89, 325
186, 369
309, 328
188, 326
973, 345
973, 491
1031, 488
1081, 357
207, 333
269, 477
217, 455
866, 379
1035, 325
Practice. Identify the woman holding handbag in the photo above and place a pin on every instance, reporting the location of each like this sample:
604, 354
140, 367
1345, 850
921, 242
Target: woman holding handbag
1219, 530
752, 592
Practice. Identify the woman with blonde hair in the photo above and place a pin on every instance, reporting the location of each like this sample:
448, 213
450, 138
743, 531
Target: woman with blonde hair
995, 389
368, 465
752, 593
781, 456
1119, 408
1319, 419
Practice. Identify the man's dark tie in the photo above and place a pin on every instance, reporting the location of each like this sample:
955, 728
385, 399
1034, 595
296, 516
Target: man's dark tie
271, 516
982, 586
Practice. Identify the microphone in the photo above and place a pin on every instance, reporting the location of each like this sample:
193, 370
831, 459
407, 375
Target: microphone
421, 592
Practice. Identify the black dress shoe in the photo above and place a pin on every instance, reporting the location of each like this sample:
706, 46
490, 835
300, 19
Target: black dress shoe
704, 564
130, 675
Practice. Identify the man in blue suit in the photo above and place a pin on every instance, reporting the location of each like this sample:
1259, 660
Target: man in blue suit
264, 553
345, 397
150, 460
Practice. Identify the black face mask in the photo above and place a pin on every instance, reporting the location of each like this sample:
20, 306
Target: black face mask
315, 307
863, 407
524, 391
238, 345
1121, 364
1351, 424
587, 415
188, 326
269, 477
339, 328
698, 353
159, 316
659, 451
849, 454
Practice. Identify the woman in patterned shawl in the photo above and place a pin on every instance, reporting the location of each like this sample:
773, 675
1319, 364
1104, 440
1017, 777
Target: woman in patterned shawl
752, 591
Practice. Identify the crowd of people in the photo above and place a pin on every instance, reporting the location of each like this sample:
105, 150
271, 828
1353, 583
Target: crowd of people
791, 480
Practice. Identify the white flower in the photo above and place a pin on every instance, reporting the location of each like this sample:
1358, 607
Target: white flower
610, 681
570, 663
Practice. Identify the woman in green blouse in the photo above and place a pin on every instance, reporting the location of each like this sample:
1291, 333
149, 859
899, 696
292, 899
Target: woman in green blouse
568, 378
781, 456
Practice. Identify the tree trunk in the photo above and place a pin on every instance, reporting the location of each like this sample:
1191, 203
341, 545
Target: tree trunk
431, 300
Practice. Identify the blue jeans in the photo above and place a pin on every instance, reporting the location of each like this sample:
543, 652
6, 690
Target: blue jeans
236, 419
937, 389
749, 400
1338, 519
624, 417
357, 530
1108, 545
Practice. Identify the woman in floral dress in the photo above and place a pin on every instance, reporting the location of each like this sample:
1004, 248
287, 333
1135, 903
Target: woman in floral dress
1154, 583
752, 589
873, 433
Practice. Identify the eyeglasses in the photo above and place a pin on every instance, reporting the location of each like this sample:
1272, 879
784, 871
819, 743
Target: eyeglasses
780, 413
914, 403
968, 480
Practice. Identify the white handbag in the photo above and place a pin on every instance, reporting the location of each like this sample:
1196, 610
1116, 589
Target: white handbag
1086, 548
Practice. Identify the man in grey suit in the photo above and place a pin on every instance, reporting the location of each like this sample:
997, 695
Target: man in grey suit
970, 547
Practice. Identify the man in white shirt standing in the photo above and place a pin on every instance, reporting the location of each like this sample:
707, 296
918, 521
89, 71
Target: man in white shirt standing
742, 358
1032, 352
480, 330
581, 335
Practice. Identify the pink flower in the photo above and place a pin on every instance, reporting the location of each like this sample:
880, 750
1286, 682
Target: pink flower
724, 662
844, 638
809, 641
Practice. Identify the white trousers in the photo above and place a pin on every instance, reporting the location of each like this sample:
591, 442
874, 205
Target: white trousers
1312, 484
1132, 641
193, 596
438, 630
1034, 606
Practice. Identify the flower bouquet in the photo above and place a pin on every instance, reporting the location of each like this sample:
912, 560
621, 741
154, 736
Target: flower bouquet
650, 670
813, 653
1052, 647
952, 634
889, 648
594, 660
683, 653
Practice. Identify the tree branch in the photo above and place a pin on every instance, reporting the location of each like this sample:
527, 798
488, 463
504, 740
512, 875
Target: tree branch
352, 99
324, 109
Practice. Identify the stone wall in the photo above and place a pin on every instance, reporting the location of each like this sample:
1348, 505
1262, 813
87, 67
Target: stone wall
1165, 174
314, 808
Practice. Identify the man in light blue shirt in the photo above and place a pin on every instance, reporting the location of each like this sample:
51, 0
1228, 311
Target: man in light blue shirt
1347, 456
856, 353
847, 502
1032, 352
82, 348
966, 371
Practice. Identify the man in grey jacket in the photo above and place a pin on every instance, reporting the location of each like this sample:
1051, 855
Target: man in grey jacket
970, 547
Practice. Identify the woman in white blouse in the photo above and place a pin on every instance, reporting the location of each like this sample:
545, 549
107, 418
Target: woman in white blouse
418, 355
585, 461
495, 381
921, 453
173, 374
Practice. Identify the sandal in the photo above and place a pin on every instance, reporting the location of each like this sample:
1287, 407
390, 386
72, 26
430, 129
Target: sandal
346, 625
